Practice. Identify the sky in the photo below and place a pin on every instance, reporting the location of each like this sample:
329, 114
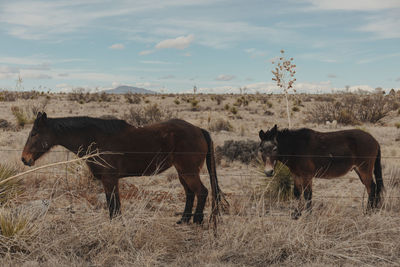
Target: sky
218, 46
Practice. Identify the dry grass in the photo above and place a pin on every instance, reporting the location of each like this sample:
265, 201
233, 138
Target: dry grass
60, 219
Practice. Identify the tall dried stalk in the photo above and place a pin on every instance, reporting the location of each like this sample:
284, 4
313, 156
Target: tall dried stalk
284, 77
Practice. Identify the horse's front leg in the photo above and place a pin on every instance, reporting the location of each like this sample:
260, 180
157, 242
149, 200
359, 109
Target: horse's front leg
308, 194
112, 195
297, 190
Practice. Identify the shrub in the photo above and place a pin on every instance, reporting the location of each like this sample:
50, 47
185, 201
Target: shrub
295, 109
7, 96
234, 110
177, 102
219, 99
243, 151
352, 109
139, 116
194, 102
220, 125
132, 98
20, 116
4, 124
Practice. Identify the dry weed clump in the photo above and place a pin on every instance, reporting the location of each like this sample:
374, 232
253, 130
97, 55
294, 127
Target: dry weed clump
132, 98
81, 96
243, 151
139, 116
220, 125
5, 125
352, 109
11, 188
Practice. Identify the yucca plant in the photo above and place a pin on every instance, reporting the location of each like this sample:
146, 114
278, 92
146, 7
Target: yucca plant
280, 186
10, 188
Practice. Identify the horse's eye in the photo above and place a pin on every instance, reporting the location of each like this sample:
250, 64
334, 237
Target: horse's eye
33, 134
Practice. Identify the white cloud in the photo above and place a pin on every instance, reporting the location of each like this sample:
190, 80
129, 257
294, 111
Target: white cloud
117, 46
358, 88
254, 53
180, 42
26, 74
115, 84
358, 5
146, 52
47, 20
385, 26
167, 77
225, 77
147, 85
156, 62
62, 85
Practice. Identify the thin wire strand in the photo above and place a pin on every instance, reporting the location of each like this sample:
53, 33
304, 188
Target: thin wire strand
201, 153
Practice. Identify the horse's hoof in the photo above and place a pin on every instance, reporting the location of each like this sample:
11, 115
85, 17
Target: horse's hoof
295, 215
198, 218
183, 220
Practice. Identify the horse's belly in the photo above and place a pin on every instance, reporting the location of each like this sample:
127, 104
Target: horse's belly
144, 167
333, 171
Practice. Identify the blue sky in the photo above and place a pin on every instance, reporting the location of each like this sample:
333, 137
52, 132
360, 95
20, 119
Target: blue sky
216, 45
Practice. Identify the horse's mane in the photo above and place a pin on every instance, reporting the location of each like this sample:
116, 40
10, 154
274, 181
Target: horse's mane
67, 124
296, 133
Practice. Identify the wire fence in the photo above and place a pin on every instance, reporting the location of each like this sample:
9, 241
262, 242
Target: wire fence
125, 152
69, 171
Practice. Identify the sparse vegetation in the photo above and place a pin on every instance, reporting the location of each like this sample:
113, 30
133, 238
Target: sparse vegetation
243, 151
139, 116
220, 125
132, 98
352, 109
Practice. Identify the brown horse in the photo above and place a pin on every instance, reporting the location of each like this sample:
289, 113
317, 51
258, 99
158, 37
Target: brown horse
309, 154
138, 152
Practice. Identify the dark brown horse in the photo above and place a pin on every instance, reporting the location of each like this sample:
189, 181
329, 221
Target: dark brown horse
138, 152
309, 154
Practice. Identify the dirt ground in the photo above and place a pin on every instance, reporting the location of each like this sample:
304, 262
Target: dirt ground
65, 221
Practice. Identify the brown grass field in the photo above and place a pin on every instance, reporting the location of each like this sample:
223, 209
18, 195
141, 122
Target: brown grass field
58, 216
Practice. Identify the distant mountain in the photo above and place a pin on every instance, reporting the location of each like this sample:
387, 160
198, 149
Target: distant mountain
123, 89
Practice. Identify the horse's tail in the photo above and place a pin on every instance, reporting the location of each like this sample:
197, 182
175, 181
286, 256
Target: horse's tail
378, 177
218, 198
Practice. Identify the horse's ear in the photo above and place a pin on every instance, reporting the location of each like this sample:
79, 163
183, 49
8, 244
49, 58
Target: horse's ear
41, 118
261, 134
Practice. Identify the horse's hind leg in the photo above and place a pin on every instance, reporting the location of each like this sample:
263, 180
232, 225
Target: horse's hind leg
187, 212
195, 185
365, 174
297, 190
112, 195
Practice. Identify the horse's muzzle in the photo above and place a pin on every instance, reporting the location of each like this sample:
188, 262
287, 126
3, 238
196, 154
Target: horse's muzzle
270, 173
29, 162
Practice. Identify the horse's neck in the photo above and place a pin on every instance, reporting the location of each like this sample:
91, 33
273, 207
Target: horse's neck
76, 143
285, 147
